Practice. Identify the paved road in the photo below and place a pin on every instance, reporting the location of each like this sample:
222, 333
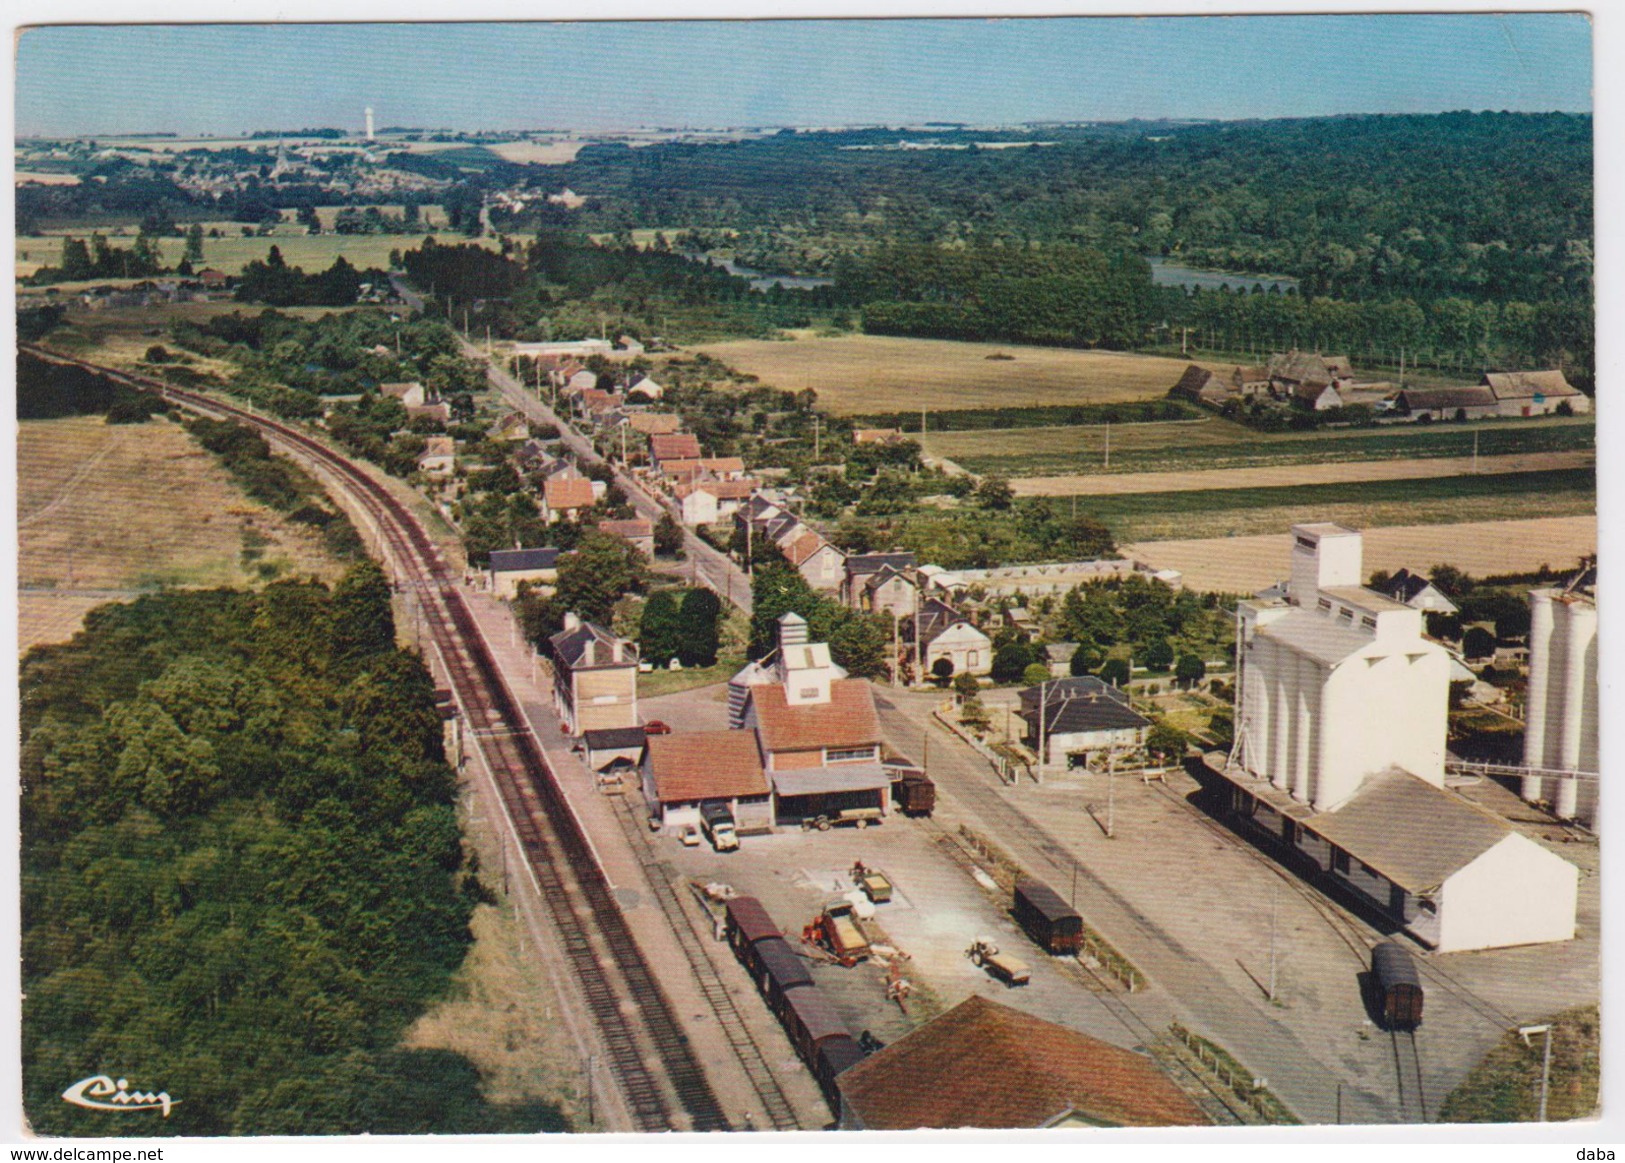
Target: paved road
706, 565
1183, 983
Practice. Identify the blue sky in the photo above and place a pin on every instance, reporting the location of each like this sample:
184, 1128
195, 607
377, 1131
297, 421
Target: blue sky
224, 79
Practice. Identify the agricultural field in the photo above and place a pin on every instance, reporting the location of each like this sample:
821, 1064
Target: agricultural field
856, 374
119, 336
233, 252
1214, 443
1112, 484
105, 507
541, 153
1481, 548
1165, 516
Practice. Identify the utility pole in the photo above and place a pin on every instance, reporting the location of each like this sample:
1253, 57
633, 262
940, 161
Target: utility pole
815, 439
922, 423
1108, 444
1475, 452
1272, 942
1111, 794
1043, 728
1526, 1032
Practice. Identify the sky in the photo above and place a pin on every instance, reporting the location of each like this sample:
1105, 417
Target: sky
226, 79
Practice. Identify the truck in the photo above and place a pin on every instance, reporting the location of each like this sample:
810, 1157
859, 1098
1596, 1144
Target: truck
718, 824
984, 954
872, 881
837, 931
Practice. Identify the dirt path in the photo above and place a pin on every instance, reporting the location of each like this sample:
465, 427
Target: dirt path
1340, 472
1245, 564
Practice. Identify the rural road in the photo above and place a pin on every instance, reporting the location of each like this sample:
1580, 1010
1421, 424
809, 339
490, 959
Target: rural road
706, 565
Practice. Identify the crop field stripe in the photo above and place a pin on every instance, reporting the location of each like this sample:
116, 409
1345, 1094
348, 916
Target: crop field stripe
1358, 492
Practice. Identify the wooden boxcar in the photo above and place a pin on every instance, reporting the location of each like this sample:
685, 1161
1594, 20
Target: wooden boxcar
746, 922
835, 1056
811, 1020
1054, 925
915, 794
1397, 986
779, 971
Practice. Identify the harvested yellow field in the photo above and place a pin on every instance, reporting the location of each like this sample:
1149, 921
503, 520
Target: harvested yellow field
39, 178
539, 153
855, 374
138, 506
1107, 484
44, 619
1482, 548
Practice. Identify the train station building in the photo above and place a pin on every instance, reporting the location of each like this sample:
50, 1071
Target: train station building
1340, 755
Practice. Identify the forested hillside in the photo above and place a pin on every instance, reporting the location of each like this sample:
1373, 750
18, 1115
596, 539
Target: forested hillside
242, 877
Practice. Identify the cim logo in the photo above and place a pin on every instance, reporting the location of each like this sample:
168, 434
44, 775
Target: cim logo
101, 1093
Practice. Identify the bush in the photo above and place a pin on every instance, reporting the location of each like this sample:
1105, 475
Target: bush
1114, 671
1035, 673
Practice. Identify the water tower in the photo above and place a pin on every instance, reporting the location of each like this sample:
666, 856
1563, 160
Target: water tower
369, 122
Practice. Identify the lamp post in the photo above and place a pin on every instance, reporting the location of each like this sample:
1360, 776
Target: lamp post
1526, 1032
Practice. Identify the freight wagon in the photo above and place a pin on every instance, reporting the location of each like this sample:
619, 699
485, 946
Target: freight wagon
1397, 987
1054, 925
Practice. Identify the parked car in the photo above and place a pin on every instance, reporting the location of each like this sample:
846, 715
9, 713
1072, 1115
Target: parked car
690, 836
656, 727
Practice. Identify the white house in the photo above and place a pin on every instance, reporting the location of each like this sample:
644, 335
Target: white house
944, 633
1417, 592
439, 457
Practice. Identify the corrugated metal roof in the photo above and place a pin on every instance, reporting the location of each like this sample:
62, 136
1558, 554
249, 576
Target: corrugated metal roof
807, 781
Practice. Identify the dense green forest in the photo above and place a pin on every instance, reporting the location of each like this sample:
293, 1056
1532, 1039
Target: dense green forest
242, 877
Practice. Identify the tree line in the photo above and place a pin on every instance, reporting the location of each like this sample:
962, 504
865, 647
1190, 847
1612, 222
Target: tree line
242, 872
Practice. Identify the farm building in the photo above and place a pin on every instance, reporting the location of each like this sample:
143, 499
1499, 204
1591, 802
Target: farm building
684, 772
1560, 733
1417, 592
877, 436
941, 632
1200, 386
595, 677
1534, 393
509, 567
1082, 717
983, 1064
563, 498
1316, 668
639, 531
439, 456
1316, 397
1447, 403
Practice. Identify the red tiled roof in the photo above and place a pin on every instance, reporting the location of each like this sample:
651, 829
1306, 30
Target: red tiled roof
631, 529
983, 1064
704, 765
568, 493
803, 547
723, 464
729, 490
675, 446
847, 720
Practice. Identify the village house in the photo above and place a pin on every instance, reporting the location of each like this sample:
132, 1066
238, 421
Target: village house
1083, 718
892, 591
861, 566
510, 567
580, 381
939, 633
1316, 667
984, 1064
638, 531
1537, 393
655, 423
433, 410
512, 426
646, 387
877, 436
684, 772
673, 446
1020, 620
439, 457
1417, 592
595, 677
564, 498
410, 394
706, 502
1058, 657
815, 559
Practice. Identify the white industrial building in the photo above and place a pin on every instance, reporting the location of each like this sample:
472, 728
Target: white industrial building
1560, 731
1340, 755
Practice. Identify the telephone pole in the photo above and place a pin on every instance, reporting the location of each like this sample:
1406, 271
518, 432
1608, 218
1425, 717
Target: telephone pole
1273, 895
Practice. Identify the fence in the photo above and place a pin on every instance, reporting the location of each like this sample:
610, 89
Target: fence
1237, 1078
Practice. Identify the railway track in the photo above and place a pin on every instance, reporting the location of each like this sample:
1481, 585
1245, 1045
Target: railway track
1408, 1071
692, 937
650, 1057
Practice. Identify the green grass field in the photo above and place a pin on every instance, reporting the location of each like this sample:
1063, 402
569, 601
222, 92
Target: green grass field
1215, 443
1361, 505
1505, 1086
